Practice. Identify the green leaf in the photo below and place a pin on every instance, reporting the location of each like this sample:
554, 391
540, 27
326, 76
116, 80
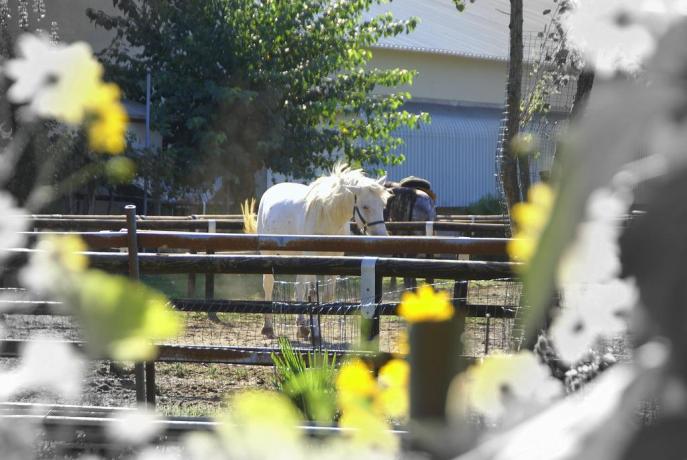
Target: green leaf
121, 318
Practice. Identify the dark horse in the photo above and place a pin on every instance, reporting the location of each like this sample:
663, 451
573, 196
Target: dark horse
412, 201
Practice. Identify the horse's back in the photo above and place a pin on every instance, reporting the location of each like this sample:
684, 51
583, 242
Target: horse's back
282, 209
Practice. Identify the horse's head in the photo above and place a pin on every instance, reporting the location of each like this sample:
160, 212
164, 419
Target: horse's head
369, 199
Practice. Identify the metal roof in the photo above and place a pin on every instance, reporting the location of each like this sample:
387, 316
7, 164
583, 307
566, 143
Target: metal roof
480, 31
135, 110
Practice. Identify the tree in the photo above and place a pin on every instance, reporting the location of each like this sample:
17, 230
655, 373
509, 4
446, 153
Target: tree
242, 84
509, 160
54, 160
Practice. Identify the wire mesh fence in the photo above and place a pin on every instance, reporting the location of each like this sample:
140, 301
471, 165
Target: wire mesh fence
185, 388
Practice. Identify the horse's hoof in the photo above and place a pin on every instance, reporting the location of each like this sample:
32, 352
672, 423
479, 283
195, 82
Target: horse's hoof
268, 332
303, 332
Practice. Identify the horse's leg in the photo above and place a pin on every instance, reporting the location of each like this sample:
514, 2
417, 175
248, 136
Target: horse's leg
268, 286
329, 294
304, 284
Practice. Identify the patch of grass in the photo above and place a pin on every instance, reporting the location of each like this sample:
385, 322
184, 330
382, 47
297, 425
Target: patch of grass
178, 370
189, 410
213, 371
241, 373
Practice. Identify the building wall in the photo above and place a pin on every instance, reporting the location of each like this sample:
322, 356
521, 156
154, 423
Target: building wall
72, 22
446, 78
137, 129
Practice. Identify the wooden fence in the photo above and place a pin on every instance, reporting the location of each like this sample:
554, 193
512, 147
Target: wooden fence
371, 268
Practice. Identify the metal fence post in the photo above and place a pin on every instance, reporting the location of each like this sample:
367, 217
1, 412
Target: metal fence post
134, 274
429, 231
370, 296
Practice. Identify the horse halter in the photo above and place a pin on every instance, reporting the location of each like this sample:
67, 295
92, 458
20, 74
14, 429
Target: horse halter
360, 216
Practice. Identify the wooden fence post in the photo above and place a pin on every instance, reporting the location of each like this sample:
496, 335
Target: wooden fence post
134, 274
435, 359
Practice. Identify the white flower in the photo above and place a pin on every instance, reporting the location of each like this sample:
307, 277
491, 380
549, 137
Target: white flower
594, 254
135, 427
162, 452
45, 365
12, 224
591, 312
56, 81
619, 34
509, 387
40, 64
595, 303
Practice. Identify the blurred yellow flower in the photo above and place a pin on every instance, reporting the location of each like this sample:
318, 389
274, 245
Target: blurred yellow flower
530, 218
393, 378
65, 83
261, 424
427, 305
69, 251
395, 373
106, 132
355, 384
368, 429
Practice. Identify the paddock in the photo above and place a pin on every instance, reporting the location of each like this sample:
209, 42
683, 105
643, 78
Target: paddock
485, 292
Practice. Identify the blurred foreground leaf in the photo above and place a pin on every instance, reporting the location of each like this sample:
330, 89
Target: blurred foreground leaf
122, 318
617, 128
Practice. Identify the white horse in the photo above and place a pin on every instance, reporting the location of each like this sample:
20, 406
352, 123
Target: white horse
324, 207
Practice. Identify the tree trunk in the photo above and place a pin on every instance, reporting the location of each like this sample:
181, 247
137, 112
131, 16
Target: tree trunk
509, 163
585, 82
584, 87
524, 170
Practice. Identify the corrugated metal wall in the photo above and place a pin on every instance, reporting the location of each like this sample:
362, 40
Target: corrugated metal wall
455, 152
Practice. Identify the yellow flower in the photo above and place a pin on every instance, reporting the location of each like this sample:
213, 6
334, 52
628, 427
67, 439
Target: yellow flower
394, 402
355, 384
425, 306
65, 83
367, 429
530, 219
66, 251
260, 424
395, 373
393, 378
106, 133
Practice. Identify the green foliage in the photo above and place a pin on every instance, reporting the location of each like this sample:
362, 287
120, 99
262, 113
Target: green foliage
310, 387
241, 84
488, 204
460, 4
122, 318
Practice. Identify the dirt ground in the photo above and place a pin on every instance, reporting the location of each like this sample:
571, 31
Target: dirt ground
202, 389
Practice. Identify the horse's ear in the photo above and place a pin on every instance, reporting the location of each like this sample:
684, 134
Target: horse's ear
382, 180
354, 188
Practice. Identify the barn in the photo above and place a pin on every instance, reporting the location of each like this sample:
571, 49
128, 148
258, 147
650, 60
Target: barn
461, 59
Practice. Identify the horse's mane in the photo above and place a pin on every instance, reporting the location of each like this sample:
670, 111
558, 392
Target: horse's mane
329, 196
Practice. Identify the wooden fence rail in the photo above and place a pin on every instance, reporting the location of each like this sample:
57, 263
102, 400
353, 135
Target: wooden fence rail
219, 242
498, 218
305, 265
235, 225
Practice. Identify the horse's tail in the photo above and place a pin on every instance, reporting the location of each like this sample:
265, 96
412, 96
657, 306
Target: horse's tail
250, 220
